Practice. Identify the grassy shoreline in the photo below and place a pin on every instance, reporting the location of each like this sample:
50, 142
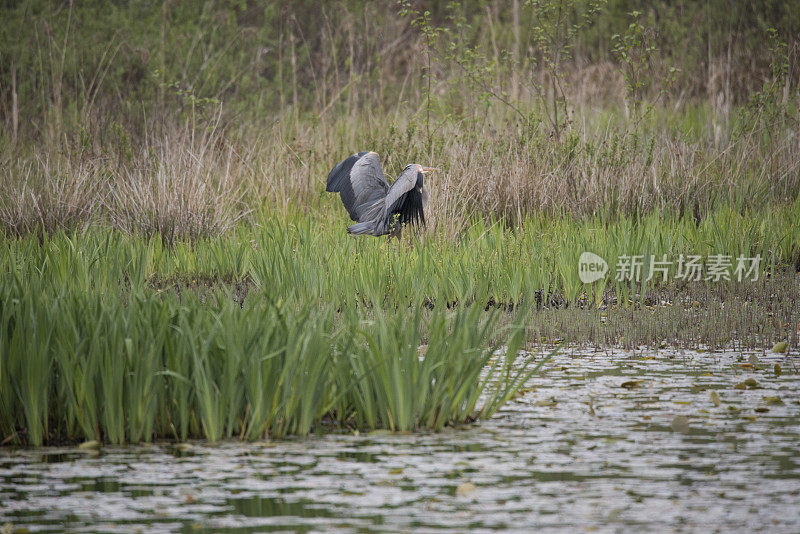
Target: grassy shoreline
274, 328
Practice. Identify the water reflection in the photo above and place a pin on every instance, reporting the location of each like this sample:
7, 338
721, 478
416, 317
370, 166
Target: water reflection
615, 440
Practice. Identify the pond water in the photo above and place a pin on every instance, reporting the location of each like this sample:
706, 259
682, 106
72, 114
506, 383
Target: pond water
609, 441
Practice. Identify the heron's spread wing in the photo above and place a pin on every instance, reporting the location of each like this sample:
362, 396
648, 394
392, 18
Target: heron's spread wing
360, 181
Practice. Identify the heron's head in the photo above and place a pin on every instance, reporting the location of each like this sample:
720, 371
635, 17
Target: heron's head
420, 170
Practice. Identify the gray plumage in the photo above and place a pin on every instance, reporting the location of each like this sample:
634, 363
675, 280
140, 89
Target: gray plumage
377, 208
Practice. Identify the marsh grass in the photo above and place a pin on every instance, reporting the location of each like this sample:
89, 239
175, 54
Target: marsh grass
302, 259
187, 183
279, 327
184, 189
99, 361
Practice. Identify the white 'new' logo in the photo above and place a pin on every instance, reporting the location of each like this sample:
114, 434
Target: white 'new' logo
591, 267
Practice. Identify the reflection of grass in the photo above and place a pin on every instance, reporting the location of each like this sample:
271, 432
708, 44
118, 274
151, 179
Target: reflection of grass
270, 330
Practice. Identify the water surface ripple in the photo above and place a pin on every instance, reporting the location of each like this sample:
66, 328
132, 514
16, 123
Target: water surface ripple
609, 441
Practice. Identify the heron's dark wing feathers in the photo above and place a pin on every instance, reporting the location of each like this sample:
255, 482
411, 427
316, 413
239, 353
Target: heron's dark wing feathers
360, 182
411, 211
404, 200
404, 183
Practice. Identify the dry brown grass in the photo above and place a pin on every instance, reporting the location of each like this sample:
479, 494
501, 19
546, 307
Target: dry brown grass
46, 193
607, 172
186, 188
187, 182
178, 187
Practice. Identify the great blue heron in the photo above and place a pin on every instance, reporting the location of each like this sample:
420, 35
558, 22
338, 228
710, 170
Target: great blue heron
377, 208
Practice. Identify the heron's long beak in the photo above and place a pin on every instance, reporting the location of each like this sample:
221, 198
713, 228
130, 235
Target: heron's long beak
430, 169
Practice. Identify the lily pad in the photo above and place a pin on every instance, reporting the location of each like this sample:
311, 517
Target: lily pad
465, 489
680, 424
184, 448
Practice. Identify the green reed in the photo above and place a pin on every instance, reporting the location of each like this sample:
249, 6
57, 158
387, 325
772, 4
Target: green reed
81, 363
97, 343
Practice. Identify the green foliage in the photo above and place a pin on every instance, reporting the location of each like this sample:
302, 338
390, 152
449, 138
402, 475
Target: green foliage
554, 30
635, 50
768, 111
421, 20
141, 65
